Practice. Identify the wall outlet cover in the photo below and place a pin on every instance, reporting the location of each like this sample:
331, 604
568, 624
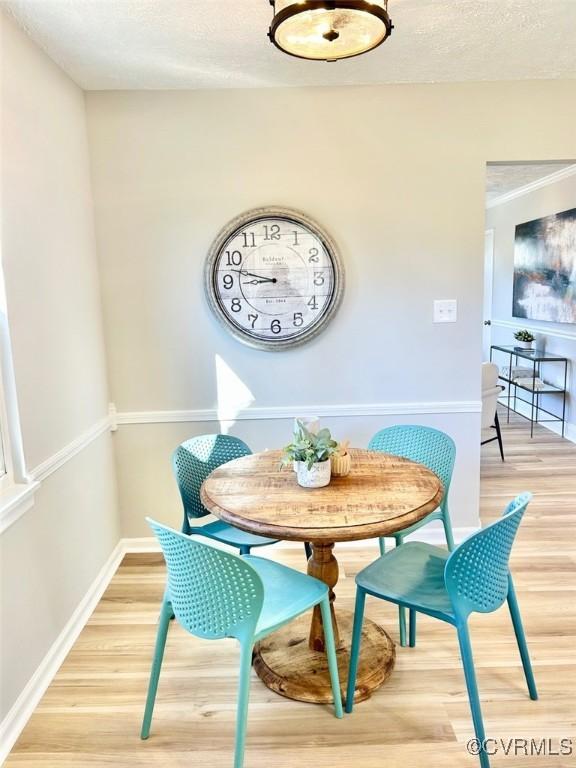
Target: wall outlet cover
445, 310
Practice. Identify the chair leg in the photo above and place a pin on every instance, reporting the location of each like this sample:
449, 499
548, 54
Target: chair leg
244, 550
401, 610
382, 545
447, 528
521, 639
355, 648
402, 625
308, 550
163, 624
331, 655
412, 625
472, 686
242, 710
499, 435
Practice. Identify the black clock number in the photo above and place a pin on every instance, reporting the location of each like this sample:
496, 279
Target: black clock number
271, 232
295, 233
312, 303
233, 258
249, 240
313, 257
298, 319
318, 278
252, 319
228, 281
236, 306
275, 326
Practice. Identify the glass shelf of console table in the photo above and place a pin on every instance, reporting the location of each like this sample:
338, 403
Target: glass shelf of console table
538, 358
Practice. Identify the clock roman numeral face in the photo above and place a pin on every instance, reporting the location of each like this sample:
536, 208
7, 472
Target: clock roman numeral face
273, 280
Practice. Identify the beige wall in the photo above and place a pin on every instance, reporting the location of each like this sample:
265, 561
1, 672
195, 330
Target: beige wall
52, 554
503, 219
395, 173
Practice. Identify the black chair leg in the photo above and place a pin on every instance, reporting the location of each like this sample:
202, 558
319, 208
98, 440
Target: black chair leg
499, 435
308, 550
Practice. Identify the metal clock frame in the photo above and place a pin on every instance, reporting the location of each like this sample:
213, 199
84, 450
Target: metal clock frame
241, 222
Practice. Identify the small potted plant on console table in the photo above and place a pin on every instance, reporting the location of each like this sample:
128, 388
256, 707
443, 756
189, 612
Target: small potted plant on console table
312, 453
525, 339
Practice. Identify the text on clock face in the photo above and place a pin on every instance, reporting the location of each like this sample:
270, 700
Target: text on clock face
274, 278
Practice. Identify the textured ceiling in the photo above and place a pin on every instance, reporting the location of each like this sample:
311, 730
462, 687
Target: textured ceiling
502, 178
154, 44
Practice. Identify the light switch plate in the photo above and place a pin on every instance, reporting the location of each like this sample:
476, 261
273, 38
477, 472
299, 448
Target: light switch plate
445, 310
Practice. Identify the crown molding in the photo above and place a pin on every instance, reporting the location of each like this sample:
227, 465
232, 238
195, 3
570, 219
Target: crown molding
522, 323
552, 178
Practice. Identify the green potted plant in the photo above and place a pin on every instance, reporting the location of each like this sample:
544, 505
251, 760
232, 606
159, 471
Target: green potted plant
524, 338
312, 453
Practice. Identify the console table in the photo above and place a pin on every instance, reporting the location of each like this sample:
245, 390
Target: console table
538, 359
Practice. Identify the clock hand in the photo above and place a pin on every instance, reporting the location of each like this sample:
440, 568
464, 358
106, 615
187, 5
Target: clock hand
257, 282
263, 279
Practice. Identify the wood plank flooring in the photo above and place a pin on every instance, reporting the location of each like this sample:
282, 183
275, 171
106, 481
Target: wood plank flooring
90, 715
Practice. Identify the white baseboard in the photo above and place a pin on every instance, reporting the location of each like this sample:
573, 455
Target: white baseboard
553, 426
24, 706
19, 714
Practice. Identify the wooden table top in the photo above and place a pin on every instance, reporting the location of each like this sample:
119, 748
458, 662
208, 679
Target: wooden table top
381, 495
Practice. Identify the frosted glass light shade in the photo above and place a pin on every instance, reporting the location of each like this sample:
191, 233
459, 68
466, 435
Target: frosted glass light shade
329, 30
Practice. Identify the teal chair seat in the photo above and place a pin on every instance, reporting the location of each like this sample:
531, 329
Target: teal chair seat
449, 586
413, 575
228, 534
215, 594
287, 594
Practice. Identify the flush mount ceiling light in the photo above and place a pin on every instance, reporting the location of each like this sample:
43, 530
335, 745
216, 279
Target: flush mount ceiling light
328, 30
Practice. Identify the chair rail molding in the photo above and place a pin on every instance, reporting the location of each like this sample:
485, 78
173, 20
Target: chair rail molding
522, 323
294, 411
552, 178
19, 498
54, 462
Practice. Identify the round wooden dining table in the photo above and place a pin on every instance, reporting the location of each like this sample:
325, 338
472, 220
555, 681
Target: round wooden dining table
382, 494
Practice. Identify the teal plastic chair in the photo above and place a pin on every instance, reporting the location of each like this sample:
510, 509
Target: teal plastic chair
449, 587
216, 594
192, 462
434, 449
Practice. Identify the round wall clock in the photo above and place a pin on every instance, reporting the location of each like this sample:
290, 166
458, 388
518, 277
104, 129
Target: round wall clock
273, 278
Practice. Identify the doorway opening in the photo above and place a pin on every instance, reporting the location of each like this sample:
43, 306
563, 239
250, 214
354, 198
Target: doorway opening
529, 331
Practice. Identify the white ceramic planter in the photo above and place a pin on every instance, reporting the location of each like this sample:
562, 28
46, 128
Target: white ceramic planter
316, 477
525, 344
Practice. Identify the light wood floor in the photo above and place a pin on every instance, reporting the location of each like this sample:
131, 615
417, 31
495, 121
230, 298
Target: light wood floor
90, 715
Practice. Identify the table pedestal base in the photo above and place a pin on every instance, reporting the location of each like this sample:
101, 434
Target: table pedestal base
285, 663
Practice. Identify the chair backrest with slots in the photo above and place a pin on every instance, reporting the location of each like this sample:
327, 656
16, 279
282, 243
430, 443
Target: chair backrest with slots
476, 573
428, 446
214, 594
194, 460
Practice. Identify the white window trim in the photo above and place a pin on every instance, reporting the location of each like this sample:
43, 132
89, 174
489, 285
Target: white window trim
16, 488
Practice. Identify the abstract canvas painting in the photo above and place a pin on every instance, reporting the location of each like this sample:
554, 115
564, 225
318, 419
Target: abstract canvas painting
545, 269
